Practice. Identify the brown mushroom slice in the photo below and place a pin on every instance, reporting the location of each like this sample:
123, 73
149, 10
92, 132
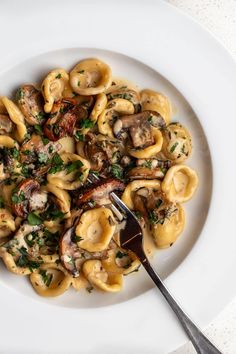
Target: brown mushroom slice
99, 193
21, 196
145, 173
94, 152
63, 117
35, 147
139, 127
72, 257
127, 121
6, 125
31, 102
100, 149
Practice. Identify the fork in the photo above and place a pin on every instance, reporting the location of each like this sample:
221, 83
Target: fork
131, 237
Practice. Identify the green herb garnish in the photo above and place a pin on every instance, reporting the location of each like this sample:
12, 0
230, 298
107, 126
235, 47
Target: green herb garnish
86, 123
34, 219
72, 166
117, 171
42, 158
173, 147
19, 94
47, 278
18, 198
58, 76
38, 129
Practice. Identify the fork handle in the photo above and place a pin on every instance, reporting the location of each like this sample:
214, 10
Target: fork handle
200, 342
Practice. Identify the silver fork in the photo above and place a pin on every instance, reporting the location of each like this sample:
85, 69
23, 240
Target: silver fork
131, 238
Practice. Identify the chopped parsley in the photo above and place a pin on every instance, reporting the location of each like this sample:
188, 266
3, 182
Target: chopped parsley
15, 153
81, 72
25, 170
20, 94
47, 278
57, 164
117, 171
26, 152
18, 198
45, 140
78, 238
34, 219
78, 83
42, 157
174, 146
78, 136
38, 129
72, 166
147, 163
52, 213
40, 116
24, 261
58, 76
86, 123
120, 254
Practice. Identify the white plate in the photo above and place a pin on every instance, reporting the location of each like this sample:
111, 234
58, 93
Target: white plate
158, 40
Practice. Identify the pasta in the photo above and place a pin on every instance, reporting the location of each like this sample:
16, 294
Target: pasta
57, 224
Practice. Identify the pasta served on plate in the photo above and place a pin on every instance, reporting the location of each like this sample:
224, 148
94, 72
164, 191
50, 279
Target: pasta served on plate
56, 220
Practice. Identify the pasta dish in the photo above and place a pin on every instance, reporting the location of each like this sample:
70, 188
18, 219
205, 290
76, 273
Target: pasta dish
65, 145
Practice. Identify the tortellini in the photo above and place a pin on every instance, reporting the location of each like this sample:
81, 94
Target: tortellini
152, 150
100, 278
50, 280
113, 110
62, 198
76, 172
166, 233
127, 196
90, 77
180, 183
177, 144
53, 86
7, 223
156, 101
17, 118
95, 229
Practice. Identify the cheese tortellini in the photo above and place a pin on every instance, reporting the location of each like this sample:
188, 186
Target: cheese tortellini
53, 86
65, 145
96, 228
90, 77
180, 183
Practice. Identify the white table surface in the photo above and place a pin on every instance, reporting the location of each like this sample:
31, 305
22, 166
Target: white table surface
219, 17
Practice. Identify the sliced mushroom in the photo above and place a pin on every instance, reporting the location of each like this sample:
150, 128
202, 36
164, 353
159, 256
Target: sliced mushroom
145, 173
6, 125
99, 193
94, 152
64, 115
21, 196
101, 149
30, 100
139, 127
35, 147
